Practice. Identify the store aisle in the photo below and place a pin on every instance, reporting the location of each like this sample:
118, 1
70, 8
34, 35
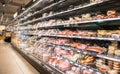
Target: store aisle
12, 62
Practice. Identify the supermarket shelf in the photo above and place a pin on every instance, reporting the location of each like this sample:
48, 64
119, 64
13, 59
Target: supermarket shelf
49, 66
117, 59
92, 23
98, 21
64, 12
79, 65
83, 37
82, 7
44, 9
34, 6
63, 9
29, 9
33, 61
74, 63
32, 57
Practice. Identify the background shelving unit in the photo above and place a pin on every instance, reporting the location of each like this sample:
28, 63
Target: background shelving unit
60, 10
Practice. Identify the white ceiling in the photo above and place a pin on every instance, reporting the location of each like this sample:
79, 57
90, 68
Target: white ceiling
11, 6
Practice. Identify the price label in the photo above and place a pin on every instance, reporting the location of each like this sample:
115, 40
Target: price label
84, 52
101, 56
76, 64
80, 66
71, 62
78, 51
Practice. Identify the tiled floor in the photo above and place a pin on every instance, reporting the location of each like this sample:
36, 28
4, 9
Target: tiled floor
12, 62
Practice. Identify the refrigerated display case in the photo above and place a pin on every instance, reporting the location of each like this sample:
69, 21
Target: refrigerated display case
71, 36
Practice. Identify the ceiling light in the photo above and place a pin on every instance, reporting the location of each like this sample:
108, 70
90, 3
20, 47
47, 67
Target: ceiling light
3, 4
23, 8
34, 0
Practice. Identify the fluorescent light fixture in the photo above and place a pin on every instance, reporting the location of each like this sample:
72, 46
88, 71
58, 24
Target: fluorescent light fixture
3, 4
34, 0
15, 15
23, 8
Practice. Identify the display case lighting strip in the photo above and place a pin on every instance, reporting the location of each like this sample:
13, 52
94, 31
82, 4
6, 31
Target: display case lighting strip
83, 37
30, 34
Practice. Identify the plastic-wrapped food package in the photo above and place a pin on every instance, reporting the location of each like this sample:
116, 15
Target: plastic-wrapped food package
111, 13
60, 51
116, 66
70, 72
50, 49
87, 71
113, 72
64, 65
46, 57
97, 49
104, 68
61, 41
